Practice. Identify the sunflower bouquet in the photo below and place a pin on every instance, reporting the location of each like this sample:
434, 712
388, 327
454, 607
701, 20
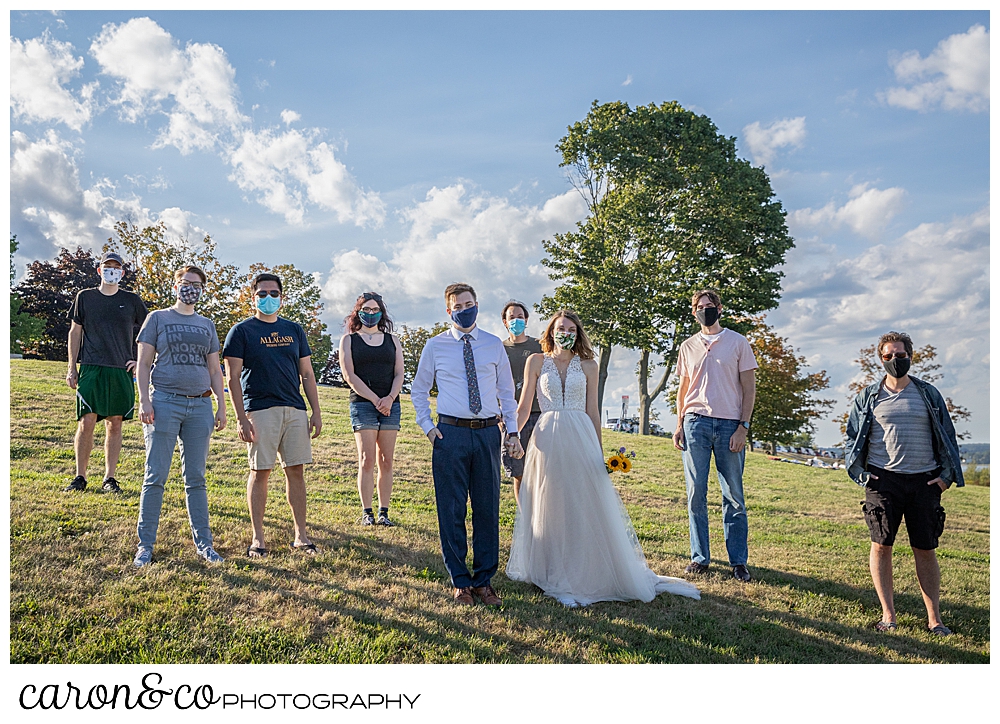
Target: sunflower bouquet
620, 461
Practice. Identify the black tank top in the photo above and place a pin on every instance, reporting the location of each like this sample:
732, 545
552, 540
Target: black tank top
375, 366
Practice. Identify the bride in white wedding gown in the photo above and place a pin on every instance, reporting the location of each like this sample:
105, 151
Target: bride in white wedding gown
572, 536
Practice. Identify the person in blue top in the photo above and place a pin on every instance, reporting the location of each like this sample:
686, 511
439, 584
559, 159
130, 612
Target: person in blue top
902, 447
269, 356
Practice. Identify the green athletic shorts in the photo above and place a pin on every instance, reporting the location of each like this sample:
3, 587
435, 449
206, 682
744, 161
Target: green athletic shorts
108, 391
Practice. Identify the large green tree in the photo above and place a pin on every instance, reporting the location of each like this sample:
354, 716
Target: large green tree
413, 340
672, 209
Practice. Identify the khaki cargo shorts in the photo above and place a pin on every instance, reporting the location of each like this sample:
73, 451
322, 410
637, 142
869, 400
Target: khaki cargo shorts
280, 432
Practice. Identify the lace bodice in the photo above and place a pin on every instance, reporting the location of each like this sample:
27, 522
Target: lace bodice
552, 395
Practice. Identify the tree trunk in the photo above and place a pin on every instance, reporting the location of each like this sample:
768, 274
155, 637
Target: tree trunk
602, 378
645, 396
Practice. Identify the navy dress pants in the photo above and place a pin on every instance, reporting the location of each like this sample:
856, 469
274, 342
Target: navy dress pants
466, 465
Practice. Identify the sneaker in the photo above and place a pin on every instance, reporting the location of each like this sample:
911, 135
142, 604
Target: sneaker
143, 558
740, 573
210, 555
695, 567
79, 483
367, 519
111, 486
383, 519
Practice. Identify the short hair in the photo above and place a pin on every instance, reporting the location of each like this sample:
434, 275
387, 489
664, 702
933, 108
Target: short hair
266, 277
453, 290
190, 269
896, 337
712, 295
581, 346
513, 303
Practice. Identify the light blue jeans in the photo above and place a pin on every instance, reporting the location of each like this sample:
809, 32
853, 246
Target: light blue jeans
192, 420
702, 435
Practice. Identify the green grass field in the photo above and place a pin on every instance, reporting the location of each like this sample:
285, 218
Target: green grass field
383, 596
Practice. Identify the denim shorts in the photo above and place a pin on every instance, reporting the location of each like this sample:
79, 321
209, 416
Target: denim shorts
365, 416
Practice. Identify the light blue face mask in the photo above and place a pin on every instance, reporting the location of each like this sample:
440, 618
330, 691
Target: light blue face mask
517, 326
268, 305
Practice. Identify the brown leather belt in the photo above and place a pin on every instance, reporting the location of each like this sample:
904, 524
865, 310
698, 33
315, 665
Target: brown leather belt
208, 393
475, 423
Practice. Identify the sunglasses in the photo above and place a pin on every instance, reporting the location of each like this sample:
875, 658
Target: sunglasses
898, 355
368, 296
273, 293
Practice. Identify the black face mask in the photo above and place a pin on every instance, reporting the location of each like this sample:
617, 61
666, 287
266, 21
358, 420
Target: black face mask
707, 316
897, 366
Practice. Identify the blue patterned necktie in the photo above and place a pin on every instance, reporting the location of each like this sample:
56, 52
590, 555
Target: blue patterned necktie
475, 403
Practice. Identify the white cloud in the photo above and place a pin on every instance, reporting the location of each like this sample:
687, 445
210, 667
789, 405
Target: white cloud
287, 170
628, 80
955, 76
764, 141
195, 87
932, 282
50, 208
867, 212
39, 70
456, 236
152, 70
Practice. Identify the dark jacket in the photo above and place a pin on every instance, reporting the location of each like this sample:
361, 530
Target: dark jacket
860, 422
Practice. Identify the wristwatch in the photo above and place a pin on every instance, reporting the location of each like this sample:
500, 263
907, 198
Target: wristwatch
745, 423
513, 434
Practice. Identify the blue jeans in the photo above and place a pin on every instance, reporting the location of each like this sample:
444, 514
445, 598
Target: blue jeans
702, 435
192, 420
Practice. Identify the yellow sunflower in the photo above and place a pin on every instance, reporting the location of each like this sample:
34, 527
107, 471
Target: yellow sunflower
626, 465
614, 462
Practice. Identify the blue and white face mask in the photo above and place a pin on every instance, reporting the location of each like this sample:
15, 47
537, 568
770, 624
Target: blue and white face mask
268, 305
110, 275
517, 326
465, 318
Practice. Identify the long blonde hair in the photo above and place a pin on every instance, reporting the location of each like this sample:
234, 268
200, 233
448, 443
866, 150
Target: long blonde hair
581, 346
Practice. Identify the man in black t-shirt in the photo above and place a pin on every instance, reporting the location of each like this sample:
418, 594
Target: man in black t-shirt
102, 338
519, 347
266, 356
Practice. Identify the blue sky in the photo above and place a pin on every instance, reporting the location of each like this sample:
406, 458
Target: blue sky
403, 151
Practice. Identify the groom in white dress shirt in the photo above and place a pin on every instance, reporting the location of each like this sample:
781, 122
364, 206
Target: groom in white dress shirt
475, 391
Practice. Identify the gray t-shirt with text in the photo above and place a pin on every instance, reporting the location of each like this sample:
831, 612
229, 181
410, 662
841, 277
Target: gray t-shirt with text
183, 343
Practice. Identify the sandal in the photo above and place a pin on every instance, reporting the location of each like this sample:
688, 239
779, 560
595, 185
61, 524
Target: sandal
256, 552
885, 626
308, 548
941, 630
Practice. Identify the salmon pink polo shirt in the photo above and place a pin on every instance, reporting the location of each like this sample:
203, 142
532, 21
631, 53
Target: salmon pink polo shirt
713, 371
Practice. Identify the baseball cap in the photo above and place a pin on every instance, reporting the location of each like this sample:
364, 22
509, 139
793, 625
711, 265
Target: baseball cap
112, 256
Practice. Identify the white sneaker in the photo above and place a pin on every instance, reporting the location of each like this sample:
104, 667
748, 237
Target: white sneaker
210, 555
143, 558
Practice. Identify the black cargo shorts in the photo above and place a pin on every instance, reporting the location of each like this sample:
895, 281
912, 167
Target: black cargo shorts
895, 497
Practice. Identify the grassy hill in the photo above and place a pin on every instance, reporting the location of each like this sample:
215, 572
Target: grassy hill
382, 595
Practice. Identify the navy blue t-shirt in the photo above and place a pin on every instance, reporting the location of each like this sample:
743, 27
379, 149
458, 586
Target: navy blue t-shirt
270, 353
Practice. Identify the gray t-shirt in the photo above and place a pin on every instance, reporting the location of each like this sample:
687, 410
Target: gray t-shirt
901, 438
183, 343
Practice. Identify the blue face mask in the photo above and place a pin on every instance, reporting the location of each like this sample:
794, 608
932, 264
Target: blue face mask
516, 326
465, 318
268, 305
369, 319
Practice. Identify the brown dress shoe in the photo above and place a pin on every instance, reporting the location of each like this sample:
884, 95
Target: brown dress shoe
487, 595
464, 596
